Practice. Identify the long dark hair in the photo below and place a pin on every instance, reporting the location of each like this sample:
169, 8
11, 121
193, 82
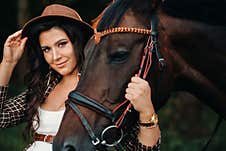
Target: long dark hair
39, 71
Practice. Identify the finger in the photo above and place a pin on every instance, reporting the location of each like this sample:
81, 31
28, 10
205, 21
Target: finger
23, 42
132, 85
137, 86
134, 94
14, 37
141, 82
137, 79
129, 96
130, 90
17, 34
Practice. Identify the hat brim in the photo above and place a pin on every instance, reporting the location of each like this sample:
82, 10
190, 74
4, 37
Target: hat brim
86, 29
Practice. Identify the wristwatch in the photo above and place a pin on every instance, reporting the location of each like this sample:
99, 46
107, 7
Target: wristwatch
153, 122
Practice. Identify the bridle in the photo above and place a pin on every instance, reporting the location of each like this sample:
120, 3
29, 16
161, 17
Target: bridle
76, 98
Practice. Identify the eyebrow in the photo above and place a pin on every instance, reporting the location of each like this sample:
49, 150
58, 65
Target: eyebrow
56, 43
64, 39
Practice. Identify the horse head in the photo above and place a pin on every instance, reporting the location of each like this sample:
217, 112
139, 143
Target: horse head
114, 55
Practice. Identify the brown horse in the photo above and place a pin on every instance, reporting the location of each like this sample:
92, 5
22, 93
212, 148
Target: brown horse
194, 53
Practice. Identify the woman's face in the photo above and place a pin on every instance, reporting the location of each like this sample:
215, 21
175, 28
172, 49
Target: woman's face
58, 50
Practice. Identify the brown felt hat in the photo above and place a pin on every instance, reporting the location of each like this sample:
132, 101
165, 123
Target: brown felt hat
61, 12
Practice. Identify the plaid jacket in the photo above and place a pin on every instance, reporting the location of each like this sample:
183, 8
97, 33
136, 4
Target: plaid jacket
12, 112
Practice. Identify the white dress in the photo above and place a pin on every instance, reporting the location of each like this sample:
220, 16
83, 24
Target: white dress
49, 125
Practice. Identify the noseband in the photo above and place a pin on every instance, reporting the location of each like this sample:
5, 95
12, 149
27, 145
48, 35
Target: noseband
76, 98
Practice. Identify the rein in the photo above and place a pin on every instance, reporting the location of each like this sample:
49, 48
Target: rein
76, 98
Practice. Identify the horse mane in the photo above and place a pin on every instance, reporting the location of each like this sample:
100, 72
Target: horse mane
111, 15
96, 20
207, 11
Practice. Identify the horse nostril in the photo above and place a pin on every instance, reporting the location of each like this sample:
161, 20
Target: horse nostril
69, 148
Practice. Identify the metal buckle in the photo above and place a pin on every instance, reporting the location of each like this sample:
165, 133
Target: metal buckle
104, 142
96, 141
45, 138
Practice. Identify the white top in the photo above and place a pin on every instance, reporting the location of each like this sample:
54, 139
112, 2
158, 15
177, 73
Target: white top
49, 125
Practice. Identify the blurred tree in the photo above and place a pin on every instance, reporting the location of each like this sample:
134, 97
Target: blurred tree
9, 20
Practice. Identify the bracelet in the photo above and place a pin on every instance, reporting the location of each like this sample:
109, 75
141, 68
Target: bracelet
152, 123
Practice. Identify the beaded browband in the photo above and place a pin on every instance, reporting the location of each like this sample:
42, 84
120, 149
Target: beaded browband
98, 35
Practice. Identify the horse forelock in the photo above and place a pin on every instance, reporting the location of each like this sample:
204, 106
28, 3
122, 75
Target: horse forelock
112, 14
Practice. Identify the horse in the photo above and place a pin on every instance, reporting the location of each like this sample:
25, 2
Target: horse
182, 53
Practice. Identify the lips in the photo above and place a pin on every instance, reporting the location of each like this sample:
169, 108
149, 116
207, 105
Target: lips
61, 64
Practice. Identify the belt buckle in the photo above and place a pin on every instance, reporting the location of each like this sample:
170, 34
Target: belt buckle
45, 138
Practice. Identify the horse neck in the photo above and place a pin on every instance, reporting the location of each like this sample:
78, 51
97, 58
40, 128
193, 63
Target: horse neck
178, 28
192, 39
197, 54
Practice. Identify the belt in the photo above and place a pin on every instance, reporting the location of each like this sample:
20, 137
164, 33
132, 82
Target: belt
44, 138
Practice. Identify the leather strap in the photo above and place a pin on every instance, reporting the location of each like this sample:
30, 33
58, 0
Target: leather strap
82, 100
44, 138
85, 123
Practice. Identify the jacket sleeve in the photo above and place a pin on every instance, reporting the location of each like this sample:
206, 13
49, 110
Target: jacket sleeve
132, 143
12, 111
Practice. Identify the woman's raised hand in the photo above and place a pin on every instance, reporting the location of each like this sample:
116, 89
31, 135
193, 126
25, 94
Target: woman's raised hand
139, 94
13, 48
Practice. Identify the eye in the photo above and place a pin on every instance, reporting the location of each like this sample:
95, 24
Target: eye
45, 49
62, 44
119, 57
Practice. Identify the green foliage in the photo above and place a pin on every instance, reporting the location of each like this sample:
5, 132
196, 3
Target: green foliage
186, 125
11, 139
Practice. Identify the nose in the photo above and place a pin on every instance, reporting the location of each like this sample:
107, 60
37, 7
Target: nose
56, 54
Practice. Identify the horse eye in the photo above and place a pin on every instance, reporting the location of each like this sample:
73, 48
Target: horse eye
119, 56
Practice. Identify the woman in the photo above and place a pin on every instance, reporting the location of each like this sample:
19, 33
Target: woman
54, 42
